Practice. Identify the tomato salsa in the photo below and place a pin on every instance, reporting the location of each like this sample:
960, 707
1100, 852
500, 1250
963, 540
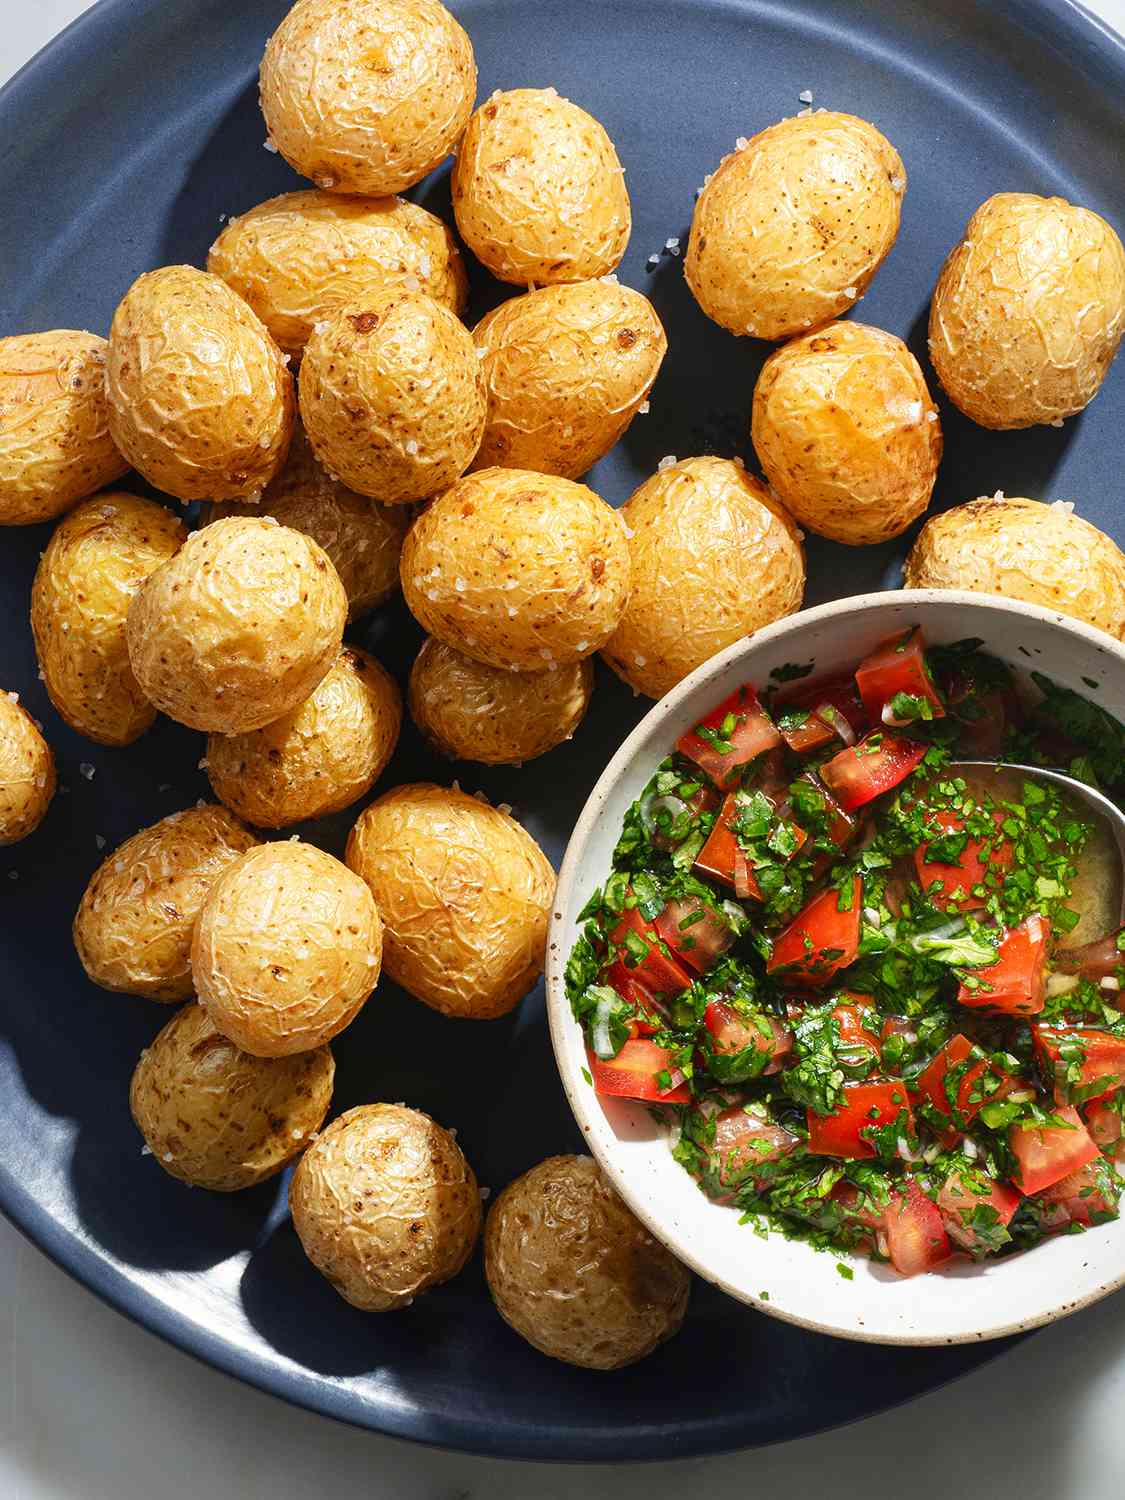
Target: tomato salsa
857, 979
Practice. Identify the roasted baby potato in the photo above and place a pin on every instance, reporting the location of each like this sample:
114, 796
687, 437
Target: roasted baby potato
538, 191
27, 771
218, 1118
1023, 549
1028, 311
565, 369
303, 257
367, 96
239, 627
713, 557
286, 949
385, 1205
200, 401
321, 757
98, 557
465, 893
392, 396
847, 433
791, 227
518, 570
575, 1274
55, 445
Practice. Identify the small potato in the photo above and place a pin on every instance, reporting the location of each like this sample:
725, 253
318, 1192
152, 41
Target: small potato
538, 191
218, 1118
319, 758
1023, 549
847, 432
714, 557
385, 1206
518, 570
286, 949
303, 257
472, 712
27, 772
239, 627
200, 401
565, 369
97, 559
55, 445
133, 926
392, 396
1028, 311
465, 893
367, 96
363, 539
575, 1274
791, 227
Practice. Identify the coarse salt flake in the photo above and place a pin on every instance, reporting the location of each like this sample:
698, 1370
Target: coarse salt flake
639, 661
666, 462
412, 446
849, 291
269, 145
801, 113
741, 143
805, 96
654, 260
644, 409
1064, 507
99, 839
1057, 422
87, 770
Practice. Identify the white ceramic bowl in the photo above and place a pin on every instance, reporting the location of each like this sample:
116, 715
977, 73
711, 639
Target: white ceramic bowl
788, 1279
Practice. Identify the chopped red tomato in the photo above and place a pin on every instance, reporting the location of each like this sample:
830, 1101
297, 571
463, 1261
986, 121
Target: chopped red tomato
641, 952
634, 1073
630, 988
975, 1208
858, 1206
916, 1237
744, 1142
731, 1033
1104, 959
1048, 1153
866, 1107
821, 940
1082, 1062
865, 771
1087, 1196
730, 737
1103, 1121
898, 665
696, 934
858, 1023
1017, 982
820, 712
953, 884
723, 858
959, 1069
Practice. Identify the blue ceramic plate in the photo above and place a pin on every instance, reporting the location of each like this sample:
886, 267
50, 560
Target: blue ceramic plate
120, 148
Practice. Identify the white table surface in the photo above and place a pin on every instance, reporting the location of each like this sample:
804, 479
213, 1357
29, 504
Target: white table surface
93, 1408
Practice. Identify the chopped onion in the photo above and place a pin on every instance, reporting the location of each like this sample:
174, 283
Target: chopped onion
677, 1075
829, 714
1110, 982
651, 806
1061, 984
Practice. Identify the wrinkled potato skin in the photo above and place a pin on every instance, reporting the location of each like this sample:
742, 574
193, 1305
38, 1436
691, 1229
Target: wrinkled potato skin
217, 1118
1024, 550
847, 433
392, 397
286, 949
385, 1206
320, 758
538, 190
575, 1274
239, 627
200, 401
134, 923
97, 559
27, 772
300, 258
1028, 311
565, 368
367, 96
714, 557
806, 211
542, 564
469, 711
465, 894
55, 445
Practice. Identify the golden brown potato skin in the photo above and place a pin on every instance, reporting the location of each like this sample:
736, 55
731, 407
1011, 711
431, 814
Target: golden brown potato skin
200, 401
27, 772
323, 756
367, 96
714, 557
239, 627
1023, 549
97, 559
286, 949
1028, 311
565, 368
538, 190
847, 433
575, 1274
300, 258
465, 894
55, 445
385, 1205
218, 1118
518, 570
789, 230
392, 396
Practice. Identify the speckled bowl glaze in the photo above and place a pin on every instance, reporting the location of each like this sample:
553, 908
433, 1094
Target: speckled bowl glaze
964, 1302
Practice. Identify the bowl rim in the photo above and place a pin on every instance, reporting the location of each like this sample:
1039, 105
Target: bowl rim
561, 1021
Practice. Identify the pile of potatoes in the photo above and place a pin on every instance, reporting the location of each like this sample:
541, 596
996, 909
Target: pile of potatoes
316, 389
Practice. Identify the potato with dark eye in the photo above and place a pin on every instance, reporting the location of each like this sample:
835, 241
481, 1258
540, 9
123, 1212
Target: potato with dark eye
27, 772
